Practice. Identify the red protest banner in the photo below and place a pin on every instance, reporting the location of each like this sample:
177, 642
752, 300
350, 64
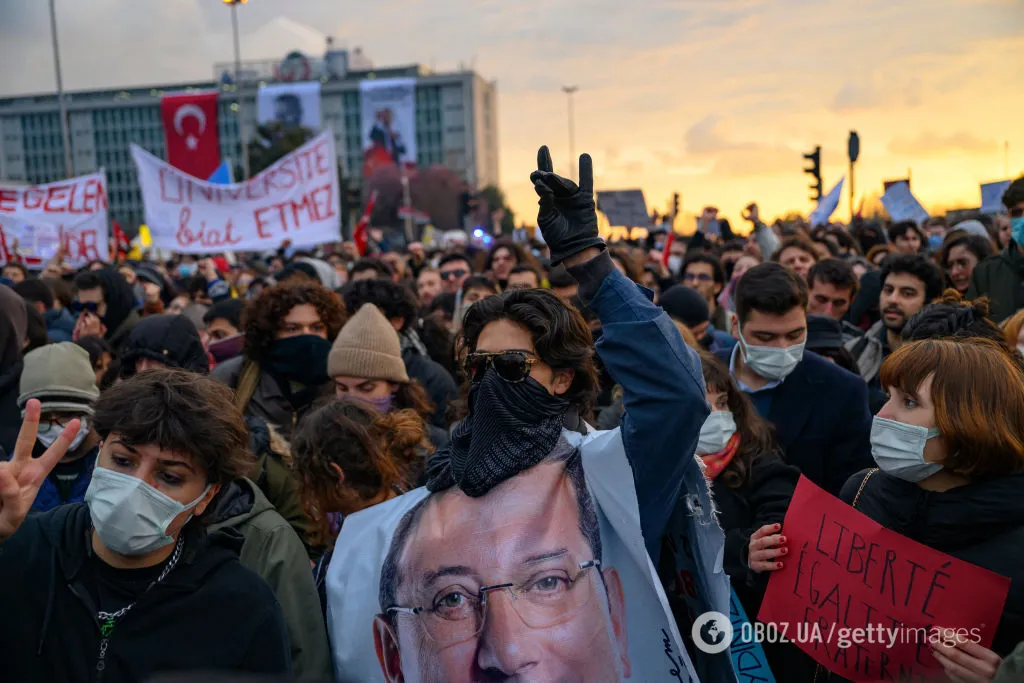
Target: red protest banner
190, 130
866, 602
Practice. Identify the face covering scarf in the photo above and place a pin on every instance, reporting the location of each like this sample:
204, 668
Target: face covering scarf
510, 428
714, 463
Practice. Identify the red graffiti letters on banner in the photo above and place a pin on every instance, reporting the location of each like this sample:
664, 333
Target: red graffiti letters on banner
210, 239
866, 602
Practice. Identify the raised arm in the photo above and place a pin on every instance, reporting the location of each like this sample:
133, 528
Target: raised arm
661, 379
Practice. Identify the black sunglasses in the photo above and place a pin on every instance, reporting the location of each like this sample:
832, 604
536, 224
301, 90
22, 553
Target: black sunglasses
1016, 212
454, 273
511, 366
77, 307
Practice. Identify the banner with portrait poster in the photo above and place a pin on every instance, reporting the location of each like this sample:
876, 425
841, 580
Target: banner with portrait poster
290, 104
38, 219
557, 551
866, 602
388, 108
295, 199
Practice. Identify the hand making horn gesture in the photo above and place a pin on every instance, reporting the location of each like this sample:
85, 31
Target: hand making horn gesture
22, 475
568, 215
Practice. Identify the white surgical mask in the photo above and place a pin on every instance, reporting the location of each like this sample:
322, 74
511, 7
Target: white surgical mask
772, 362
898, 448
49, 434
716, 432
130, 516
674, 264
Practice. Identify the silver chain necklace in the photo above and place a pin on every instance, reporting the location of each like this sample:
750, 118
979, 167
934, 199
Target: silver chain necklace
109, 619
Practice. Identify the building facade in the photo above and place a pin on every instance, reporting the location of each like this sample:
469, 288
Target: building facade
456, 126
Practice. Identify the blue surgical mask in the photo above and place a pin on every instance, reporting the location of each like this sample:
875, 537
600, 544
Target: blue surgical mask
898, 448
935, 242
381, 405
1017, 225
186, 269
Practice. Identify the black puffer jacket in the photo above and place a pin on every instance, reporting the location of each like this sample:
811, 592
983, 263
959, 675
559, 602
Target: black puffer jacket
210, 613
171, 339
981, 523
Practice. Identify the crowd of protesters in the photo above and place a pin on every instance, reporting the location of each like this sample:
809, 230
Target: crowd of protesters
183, 440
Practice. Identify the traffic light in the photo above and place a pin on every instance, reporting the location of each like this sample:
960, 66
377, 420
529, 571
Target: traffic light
815, 171
675, 205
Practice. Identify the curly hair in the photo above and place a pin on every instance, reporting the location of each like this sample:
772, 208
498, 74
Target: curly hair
756, 434
263, 316
952, 316
377, 454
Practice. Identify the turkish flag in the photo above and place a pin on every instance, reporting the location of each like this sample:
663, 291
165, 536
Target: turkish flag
190, 129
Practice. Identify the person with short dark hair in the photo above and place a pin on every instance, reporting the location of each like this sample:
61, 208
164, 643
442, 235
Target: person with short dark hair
121, 585
224, 329
398, 305
689, 307
369, 268
428, 285
909, 281
104, 305
501, 259
476, 288
831, 287
16, 272
38, 295
524, 277
1001, 277
454, 269
797, 254
907, 237
563, 285
819, 410
703, 272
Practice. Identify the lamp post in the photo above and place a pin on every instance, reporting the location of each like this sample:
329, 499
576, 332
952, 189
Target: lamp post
68, 166
571, 90
238, 86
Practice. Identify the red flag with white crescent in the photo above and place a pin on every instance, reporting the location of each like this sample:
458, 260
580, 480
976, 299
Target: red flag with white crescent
361, 235
190, 130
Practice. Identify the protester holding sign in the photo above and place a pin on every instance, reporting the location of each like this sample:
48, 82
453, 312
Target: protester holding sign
951, 457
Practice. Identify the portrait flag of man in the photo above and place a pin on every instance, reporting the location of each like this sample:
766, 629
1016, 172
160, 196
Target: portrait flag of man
190, 131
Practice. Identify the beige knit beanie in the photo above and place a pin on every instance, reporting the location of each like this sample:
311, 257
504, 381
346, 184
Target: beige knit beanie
367, 346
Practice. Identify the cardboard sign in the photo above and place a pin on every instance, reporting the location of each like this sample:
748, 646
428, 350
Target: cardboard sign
296, 198
866, 602
626, 208
827, 205
992, 196
902, 205
72, 211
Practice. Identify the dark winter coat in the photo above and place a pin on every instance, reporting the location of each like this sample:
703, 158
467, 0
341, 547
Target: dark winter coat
1001, 279
13, 332
60, 324
822, 422
432, 376
171, 339
209, 613
981, 523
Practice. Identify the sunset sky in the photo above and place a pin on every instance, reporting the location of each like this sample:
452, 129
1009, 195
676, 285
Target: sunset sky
715, 99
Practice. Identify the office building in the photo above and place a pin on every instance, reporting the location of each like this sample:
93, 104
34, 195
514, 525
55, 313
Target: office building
456, 123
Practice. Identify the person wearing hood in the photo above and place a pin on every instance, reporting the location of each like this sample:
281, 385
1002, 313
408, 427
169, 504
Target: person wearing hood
365, 363
950, 466
398, 305
688, 306
155, 287
129, 584
60, 325
163, 341
13, 338
62, 379
105, 305
1000, 277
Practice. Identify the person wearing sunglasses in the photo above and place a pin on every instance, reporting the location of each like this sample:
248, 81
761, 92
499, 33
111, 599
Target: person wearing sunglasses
454, 269
104, 306
1001, 277
497, 571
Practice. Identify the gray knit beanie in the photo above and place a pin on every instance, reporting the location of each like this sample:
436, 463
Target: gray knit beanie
368, 346
61, 377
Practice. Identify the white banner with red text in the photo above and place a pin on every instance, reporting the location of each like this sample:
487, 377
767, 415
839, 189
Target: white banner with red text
295, 199
35, 220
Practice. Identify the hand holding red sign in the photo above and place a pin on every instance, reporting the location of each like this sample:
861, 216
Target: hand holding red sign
966, 661
767, 546
868, 603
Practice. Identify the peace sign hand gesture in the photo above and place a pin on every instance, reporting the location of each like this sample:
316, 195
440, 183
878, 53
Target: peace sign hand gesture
22, 475
568, 215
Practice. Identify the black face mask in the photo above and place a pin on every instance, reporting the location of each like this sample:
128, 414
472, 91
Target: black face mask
510, 428
301, 359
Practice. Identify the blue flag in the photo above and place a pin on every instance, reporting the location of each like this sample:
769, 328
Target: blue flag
222, 176
747, 655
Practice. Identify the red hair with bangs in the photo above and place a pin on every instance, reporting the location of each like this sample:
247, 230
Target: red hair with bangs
978, 394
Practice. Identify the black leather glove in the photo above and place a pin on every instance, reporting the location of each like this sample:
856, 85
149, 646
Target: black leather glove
568, 215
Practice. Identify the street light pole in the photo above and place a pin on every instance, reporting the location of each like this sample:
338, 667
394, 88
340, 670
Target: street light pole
238, 87
68, 166
571, 90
